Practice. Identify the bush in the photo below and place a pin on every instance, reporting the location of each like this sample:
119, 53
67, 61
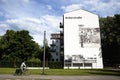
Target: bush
32, 63
55, 65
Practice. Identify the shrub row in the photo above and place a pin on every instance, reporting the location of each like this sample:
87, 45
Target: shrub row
51, 65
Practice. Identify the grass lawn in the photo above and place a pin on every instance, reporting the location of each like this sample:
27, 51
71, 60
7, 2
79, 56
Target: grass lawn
76, 72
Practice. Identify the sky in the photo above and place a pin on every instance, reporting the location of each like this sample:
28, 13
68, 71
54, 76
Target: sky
38, 16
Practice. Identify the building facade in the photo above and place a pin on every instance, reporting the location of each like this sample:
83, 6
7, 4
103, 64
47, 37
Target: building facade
55, 47
82, 42
79, 41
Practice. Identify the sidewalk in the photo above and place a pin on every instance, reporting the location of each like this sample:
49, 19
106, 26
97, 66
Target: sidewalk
51, 77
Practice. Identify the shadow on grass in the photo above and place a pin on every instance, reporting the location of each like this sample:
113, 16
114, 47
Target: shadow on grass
113, 72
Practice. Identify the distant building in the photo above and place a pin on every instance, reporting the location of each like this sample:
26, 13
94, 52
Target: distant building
55, 47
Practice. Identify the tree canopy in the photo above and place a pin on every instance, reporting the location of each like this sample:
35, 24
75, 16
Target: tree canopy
110, 33
17, 46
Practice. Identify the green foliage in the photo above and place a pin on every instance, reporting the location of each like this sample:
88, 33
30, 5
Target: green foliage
110, 32
17, 46
56, 65
34, 60
47, 52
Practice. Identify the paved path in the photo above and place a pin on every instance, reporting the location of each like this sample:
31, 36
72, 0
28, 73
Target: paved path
48, 77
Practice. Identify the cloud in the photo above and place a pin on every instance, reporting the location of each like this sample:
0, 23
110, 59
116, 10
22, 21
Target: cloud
12, 8
1, 13
36, 26
49, 7
3, 25
101, 7
24, 23
24, 8
71, 7
46, 22
30, 15
3, 28
25, 1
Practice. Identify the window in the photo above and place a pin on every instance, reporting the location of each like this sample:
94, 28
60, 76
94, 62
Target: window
77, 64
57, 41
56, 59
88, 64
56, 53
52, 59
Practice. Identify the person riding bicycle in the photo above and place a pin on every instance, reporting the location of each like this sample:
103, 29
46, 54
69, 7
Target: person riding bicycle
23, 67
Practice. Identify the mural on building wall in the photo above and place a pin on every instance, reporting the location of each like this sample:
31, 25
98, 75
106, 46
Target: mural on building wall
82, 41
89, 37
79, 60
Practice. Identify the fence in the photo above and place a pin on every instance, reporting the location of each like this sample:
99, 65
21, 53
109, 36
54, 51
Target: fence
51, 65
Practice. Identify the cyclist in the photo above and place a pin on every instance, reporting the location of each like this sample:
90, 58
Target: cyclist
23, 67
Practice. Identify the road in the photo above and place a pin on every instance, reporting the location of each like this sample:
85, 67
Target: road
51, 77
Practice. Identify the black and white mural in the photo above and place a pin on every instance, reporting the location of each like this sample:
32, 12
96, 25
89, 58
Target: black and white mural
89, 37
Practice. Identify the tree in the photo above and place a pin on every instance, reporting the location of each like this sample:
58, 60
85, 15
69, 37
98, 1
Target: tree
110, 28
47, 53
17, 46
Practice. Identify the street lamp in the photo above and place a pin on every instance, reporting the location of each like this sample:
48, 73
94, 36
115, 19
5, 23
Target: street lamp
44, 53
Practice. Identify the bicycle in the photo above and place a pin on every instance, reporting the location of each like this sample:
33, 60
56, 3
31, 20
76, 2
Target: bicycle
20, 72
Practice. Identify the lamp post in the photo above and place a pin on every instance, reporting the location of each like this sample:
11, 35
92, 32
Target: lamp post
44, 53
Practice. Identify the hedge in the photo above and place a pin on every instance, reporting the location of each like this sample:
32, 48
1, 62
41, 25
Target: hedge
51, 65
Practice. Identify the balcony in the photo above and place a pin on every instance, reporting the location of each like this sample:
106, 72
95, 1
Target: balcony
53, 50
61, 25
61, 31
55, 36
52, 45
61, 42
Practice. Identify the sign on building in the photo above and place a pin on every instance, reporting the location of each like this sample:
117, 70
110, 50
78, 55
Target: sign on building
82, 42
